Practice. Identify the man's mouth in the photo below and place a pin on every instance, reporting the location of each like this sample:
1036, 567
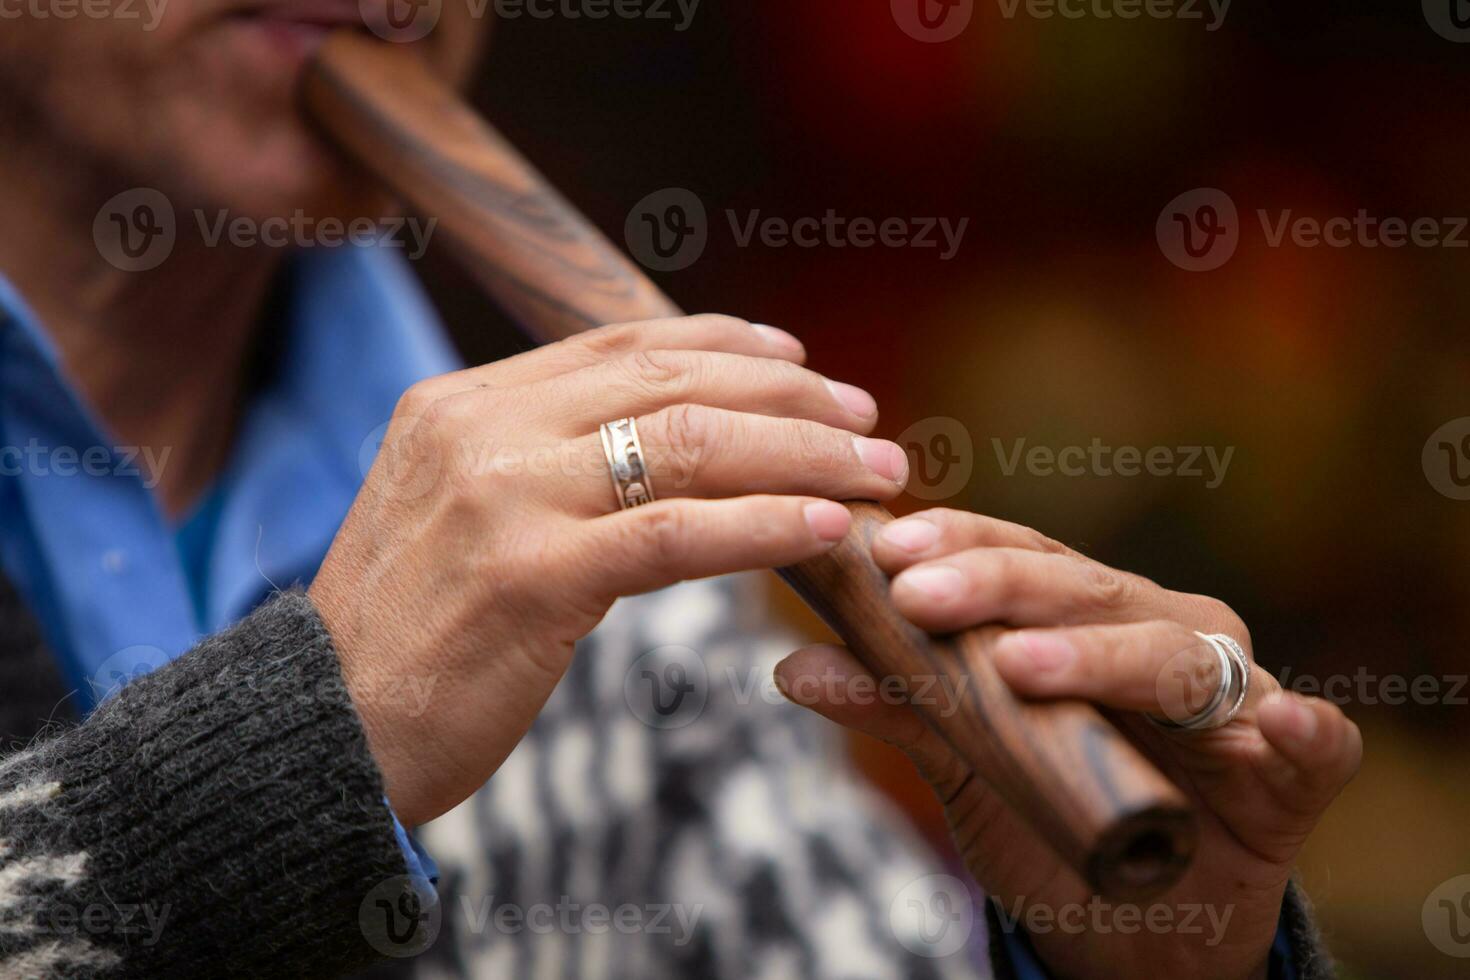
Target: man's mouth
297, 28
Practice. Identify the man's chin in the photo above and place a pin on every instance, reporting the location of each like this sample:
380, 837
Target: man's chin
310, 184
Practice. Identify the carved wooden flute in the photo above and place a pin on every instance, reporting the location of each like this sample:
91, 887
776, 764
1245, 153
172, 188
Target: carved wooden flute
1084, 788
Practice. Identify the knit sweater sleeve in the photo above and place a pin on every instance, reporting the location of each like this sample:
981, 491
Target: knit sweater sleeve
220, 817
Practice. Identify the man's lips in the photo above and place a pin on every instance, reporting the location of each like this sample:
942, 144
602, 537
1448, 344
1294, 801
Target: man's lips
296, 28
307, 13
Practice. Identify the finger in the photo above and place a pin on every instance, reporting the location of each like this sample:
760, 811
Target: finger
942, 531
1160, 667
696, 451
643, 382
1022, 588
706, 332
669, 541
832, 682
1312, 750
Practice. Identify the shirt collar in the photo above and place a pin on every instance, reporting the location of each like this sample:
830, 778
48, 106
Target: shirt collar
95, 556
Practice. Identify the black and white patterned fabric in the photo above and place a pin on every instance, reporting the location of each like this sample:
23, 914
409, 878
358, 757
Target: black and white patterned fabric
670, 815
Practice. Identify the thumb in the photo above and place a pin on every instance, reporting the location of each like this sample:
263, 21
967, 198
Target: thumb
829, 680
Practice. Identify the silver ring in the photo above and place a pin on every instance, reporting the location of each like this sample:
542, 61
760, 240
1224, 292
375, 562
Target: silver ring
1235, 684
625, 460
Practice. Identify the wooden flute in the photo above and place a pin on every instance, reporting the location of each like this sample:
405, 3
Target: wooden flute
1084, 788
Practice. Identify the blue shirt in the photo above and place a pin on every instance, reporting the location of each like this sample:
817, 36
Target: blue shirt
117, 588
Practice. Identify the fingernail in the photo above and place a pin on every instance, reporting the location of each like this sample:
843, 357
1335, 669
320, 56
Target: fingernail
1038, 651
854, 399
828, 519
938, 583
912, 534
777, 337
885, 458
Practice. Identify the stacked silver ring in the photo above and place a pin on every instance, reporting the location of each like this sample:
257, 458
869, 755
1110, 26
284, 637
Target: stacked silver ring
626, 461
1229, 695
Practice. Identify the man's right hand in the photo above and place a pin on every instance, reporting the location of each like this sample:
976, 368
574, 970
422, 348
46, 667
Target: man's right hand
486, 540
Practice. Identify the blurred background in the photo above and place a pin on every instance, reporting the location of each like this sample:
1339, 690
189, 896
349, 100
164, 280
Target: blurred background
1335, 529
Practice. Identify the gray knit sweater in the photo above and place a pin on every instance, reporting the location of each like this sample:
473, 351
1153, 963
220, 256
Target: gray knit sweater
223, 817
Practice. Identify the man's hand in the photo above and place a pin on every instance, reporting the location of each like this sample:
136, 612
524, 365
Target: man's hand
1083, 630
487, 538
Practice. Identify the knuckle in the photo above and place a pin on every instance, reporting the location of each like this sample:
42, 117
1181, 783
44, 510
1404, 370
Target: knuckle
689, 432
1109, 589
1041, 542
415, 400
662, 533
613, 340
660, 372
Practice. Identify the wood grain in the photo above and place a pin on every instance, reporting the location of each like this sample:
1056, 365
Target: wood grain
1108, 812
